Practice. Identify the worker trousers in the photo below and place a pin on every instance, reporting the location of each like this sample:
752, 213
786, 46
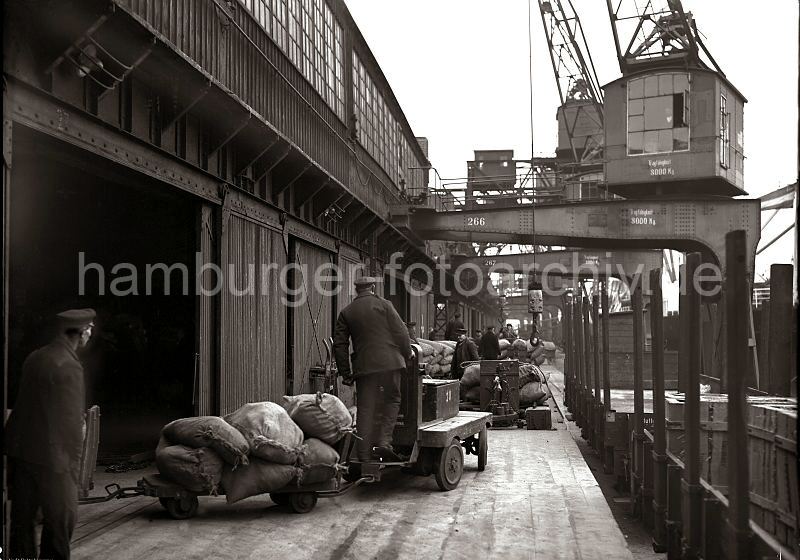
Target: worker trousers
36, 487
378, 400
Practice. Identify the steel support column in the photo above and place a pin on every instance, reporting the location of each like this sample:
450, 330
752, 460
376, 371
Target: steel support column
737, 298
637, 469
597, 410
659, 420
781, 313
692, 490
580, 356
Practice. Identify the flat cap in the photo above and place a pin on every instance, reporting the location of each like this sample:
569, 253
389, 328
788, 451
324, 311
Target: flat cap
461, 331
365, 281
76, 318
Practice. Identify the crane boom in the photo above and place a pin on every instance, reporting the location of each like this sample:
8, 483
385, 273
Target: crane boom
576, 79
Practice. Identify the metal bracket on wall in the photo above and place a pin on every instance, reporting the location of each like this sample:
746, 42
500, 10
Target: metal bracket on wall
188, 107
231, 135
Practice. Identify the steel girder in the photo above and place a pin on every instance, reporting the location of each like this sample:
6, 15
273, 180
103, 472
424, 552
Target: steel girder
681, 224
581, 263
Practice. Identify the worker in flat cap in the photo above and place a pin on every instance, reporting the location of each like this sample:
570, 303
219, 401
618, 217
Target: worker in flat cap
381, 348
466, 351
44, 440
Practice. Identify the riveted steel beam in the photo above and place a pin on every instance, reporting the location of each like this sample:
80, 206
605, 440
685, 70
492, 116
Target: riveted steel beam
682, 224
43, 113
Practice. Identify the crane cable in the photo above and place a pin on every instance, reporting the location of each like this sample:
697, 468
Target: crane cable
530, 83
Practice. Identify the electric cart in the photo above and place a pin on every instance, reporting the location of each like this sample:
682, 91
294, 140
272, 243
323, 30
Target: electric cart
437, 447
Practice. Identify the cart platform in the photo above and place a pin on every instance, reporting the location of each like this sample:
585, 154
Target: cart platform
461, 426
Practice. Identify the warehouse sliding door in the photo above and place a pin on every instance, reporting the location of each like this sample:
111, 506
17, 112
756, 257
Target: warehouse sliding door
253, 359
311, 320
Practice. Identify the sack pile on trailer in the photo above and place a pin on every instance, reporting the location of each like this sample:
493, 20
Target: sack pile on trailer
259, 448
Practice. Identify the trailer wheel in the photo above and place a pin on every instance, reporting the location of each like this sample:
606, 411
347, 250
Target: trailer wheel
280, 499
180, 508
450, 466
483, 448
302, 502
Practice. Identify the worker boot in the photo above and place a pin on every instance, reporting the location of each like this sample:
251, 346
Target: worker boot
385, 454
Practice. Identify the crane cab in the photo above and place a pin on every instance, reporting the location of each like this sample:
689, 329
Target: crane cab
674, 132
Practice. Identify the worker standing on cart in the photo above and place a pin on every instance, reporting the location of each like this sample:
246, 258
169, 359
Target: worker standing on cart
45, 440
381, 348
466, 351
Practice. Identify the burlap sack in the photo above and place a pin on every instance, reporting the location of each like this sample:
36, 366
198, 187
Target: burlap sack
198, 470
473, 395
322, 416
532, 393
259, 477
318, 463
209, 431
472, 375
271, 433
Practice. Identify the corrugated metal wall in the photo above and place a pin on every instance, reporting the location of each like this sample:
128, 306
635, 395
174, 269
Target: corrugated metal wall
204, 390
253, 365
313, 321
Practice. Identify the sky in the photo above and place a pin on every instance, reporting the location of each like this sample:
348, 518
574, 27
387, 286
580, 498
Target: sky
459, 69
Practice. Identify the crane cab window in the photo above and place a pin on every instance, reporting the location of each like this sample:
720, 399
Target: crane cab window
658, 114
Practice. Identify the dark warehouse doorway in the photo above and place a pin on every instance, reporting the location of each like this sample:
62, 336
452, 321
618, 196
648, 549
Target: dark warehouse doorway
139, 366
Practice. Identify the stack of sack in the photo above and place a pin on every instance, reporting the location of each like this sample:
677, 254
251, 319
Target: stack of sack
437, 356
523, 351
194, 452
259, 448
532, 384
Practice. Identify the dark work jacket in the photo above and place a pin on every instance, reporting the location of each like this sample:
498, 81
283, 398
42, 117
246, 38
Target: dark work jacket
490, 346
380, 338
450, 331
46, 424
466, 351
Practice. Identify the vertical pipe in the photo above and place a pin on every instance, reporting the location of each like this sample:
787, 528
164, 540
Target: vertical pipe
659, 420
692, 502
606, 348
781, 311
737, 300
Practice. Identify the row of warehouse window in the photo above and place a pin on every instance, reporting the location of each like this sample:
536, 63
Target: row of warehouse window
379, 132
307, 31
